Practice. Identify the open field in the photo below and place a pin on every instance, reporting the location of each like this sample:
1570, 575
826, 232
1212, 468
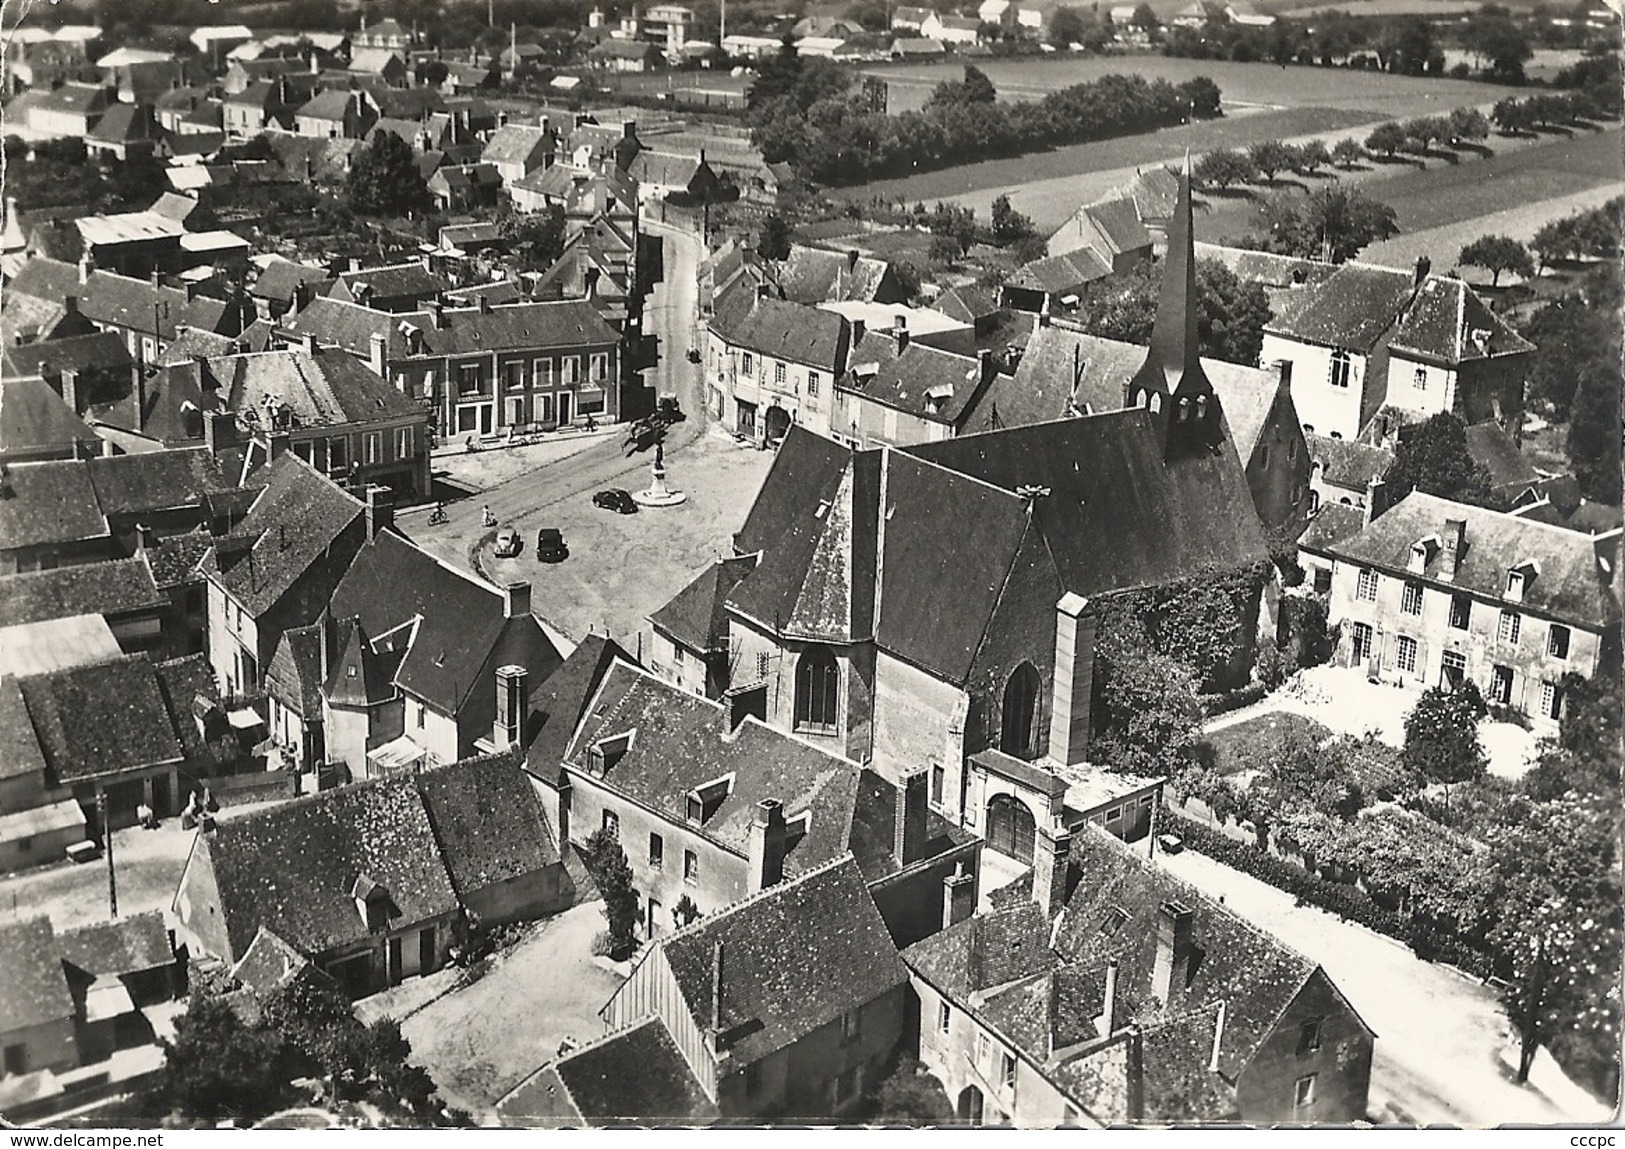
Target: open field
1443, 244
1268, 85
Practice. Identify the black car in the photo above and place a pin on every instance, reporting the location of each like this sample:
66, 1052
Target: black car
550, 546
615, 500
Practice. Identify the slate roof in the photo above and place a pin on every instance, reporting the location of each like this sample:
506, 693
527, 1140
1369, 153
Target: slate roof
488, 821
697, 615
126, 945
634, 1075
1333, 523
51, 502
33, 417
873, 839
294, 675
1490, 446
778, 948
103, 719
1247, 395
120, 301
117, 587
805, 465
1266, 268
790, 331
396, 281
1351, 309
326, 389
1570, 584
35, 990
1348, 462
1067, 272
921, 380
1118, 225
457, 635
817, 275
1447, 322
281, 278
563, 324
291, 524
103, 349
374, 60
125, 123
269, 963
969, 303
20, 753
560, 701
291, 868
153, 481
682, 743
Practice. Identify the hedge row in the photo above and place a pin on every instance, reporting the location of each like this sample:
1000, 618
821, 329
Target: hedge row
1211, 704
1346, 901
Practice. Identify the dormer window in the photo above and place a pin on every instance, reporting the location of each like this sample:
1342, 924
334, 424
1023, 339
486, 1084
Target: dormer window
1518, 579
371, 902
703, 800
1514, 585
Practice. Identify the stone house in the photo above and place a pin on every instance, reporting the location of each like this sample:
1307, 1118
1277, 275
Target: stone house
36, 1010
1434, 593
337, 113
772, 364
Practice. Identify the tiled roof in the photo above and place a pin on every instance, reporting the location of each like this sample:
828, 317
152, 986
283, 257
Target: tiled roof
778, 951
125, 123
20, 753
921, 380
182, 681
269, 964
697, 616
633, 1076
1067, 272
326, 389
517, 144
34, 417
873, 839
126, 945
294, 675
73, 98
1448, 322
488, 821
570, 323
805, 465
559, 702
281, 279
51, 502
292, 868
1119, 225
397, 281
103, 349
1267, 268
153, 481
1247, 395
1567, 582
682, 743
120, 301
816, 275
289, 529
1351, 309
116, 587
175, 560
969, 303
1348, 462
460, 636
1333, 523
35, 990
1490, 446
790, 331
104, 719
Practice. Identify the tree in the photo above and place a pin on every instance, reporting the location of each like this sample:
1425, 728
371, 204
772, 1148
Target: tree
1497, 38
1311, 157
535, 240
1513, 117
1333, 222
219, 1067
606, 862
1346, 153
1271, 156
1572, 336
1222, 168
913, 1096
1468, 124
978, 88
1594, 430
1230, 313
1203, 96
1432, 457
1498, 253
1145, 18
1406, 45
384, 179
1441, 735
1009, 225
773, 241
1386, 138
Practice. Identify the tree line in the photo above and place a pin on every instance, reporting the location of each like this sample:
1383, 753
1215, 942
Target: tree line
802, 111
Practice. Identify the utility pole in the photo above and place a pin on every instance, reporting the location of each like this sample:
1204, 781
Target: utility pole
722, 27
490, 13
107, 846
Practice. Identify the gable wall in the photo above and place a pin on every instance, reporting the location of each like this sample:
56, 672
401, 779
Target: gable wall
1341, 1066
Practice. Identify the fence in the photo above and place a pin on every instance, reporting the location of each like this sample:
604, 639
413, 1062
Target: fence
241, 789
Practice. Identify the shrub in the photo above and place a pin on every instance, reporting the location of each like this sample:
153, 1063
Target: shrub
601, 944
1212, 704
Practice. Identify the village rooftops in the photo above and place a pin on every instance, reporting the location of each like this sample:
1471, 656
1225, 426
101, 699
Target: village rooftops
1567, 575
35, 990
281, 279
1348, 462
790, 331
815, 274
20, 753
915, 377
102, 351
559, 702
103, 719
697, 615
293, 388
34, 418
49, 502
124, 946
510, 327
122, 586
395, 281
153, 481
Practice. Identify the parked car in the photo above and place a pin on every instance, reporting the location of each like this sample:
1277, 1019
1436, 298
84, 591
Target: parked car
1170, 843
508, 543
615, 500
550, 546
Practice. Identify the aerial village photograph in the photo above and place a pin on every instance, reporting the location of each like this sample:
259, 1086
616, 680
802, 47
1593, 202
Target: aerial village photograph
1025, 564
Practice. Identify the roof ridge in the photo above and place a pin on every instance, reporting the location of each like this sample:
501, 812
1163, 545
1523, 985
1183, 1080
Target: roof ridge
700, 923
1567, 534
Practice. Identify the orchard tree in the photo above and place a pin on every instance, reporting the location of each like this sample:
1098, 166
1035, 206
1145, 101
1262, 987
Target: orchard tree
1311, 157
1222, 168
1271, 156
1202, 95
1386, 138
1594, 430
1571, 335
1009, 225
384, 180
612, 874
1333, 223
1347, 152
1514, 117
1468, 124
1441, 736
1496, 254
1145, 18
1432, 457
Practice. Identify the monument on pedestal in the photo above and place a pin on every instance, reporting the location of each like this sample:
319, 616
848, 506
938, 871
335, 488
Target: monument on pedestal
657, 494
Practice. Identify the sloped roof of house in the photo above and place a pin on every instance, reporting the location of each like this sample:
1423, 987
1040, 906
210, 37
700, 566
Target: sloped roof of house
635, 1075
968, 303
805, 466
294, 675
396, 281
328, 388
922, 380
1066, 272
790, 331
330, 104
124, 946
34, 417
1566, 579
373, 60
622, 50
73, 98
35, 990
559, 324
101, 719
288, 530
778, 949
1348, 462
1490, 445
103, 350
121, 301
488, 821
20, 753
560, 701
125, 123
873, 840
1267, 268
117, 587
517, 144
697, 615
682, 743
51, 502
152, 481
1119, 225
280, 280
1448, 322
459, 629
292, 868
1351, 309
818, 275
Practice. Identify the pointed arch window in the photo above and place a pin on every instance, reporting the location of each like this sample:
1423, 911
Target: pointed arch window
818, 686
1184, 410
1201, 408
1156, 403
1019, 714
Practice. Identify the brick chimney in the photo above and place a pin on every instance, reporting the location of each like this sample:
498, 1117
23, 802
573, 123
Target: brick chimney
958, 896
716, 988
1376, 499
277, 442
899, 332
380, 511
437, 314
766, 850
516, 600
70, 390
219, 430
909, 827
1073, 681
1107, 1021
1173, 956
1050, 854
1455, 548
377, 357
512, 707
484, 303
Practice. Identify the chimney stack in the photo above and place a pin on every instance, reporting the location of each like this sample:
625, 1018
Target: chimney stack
1073, 680
219, 430
70, 390
278, 444
1174, 924
716, 988
1423, 266
1455, 546
437, 313
1376, 496
509, 729
910, 826
87, 264
380, 511
767, 842
899, 332
484, 303
1107, 1021
516, 600
985, 365
376, 357
1053, 848
1218, 1036
958, 896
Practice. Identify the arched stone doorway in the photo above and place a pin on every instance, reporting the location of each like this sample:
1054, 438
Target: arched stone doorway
1011, 828
970, 1105
776, 421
